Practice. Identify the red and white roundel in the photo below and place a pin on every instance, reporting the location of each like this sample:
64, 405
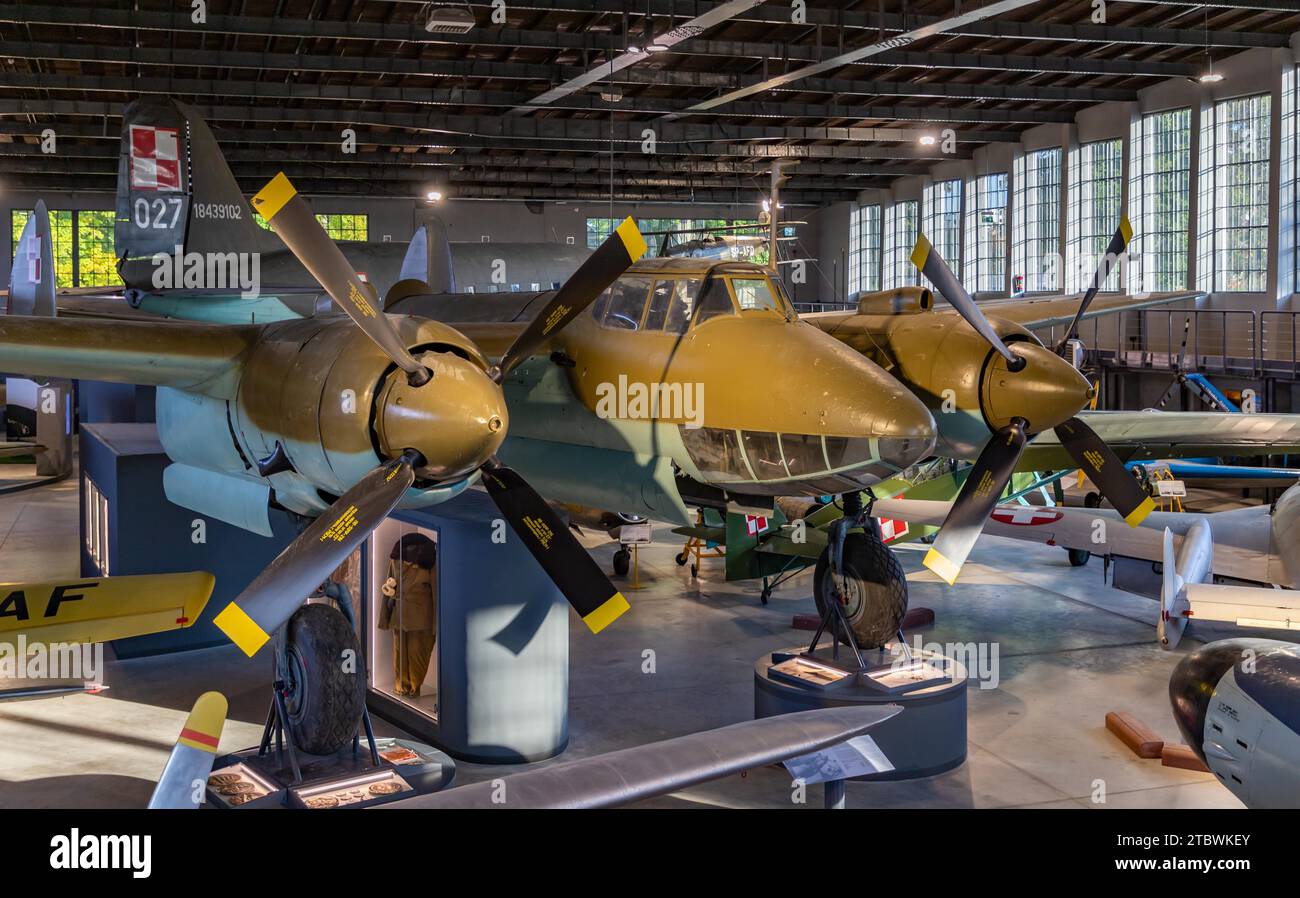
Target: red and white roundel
1025, 515
155, 158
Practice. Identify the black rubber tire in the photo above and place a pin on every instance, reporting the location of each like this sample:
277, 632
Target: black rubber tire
622, 562
695, 571
1092, 500
324, 699
1078, 557
877, 587
681, 559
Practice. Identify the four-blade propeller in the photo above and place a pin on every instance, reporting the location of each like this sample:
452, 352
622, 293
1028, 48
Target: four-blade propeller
989, 476
276, 593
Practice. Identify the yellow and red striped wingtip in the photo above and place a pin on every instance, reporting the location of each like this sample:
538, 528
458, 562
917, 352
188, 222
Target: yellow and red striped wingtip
203, 727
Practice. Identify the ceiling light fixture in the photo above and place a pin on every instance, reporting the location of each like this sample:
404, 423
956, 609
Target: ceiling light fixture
434, 196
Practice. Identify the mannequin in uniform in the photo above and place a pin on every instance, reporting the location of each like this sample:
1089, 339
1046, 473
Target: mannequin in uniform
410, 609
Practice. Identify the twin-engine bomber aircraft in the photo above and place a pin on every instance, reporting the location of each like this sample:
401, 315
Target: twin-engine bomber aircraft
385, 411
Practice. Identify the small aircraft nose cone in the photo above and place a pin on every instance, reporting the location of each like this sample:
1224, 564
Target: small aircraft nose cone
1046, 392
457, 420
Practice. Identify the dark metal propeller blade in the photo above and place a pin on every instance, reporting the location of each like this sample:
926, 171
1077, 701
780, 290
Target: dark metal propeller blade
1114, 249
613, 257
936, 269
563, 558
1104, 468
292, 219
965, 521
273, 597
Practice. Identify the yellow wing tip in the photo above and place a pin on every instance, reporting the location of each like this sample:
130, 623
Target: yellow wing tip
921, 252
633, 242
272, 198
1126, 229
613, 608
942, 566
241, 629
1139, 514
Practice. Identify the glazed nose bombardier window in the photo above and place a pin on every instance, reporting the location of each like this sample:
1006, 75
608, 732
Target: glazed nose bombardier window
755, 293
622, 304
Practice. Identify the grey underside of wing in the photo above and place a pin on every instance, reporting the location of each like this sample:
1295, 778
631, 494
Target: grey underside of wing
643, 772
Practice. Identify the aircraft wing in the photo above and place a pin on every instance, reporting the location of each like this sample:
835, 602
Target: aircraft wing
1241, 535
643, 772
1245, 606
1149, 434
99, 609
1053, 311
201, 357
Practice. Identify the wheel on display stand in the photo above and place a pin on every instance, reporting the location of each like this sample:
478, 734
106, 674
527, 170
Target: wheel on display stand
323, 697
1078, 557
874, 588
622, 562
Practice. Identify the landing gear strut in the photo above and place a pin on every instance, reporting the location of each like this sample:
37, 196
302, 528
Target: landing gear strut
858, 571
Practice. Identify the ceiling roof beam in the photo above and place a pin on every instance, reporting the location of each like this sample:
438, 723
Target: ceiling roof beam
599, 132
459, 98
969, 26
438, 68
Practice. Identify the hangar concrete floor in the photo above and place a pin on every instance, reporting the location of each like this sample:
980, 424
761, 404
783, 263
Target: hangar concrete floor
1069, 649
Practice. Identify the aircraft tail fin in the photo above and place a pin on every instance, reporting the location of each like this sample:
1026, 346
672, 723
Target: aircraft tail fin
31, 278
428, 257
190, 764
175, 189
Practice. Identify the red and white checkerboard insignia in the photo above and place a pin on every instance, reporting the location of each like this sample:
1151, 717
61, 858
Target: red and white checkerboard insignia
755, 524
891, 530
155, 158
1025, 515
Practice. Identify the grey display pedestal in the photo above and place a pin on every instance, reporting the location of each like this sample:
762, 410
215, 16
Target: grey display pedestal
929, 737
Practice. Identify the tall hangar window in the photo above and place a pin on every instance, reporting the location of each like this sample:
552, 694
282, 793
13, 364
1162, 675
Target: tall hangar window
1232, 226
1288, 267
1036, 229
902, 223
986, 234
82, 246
943, 220
1160, 198
864, 249
1096, 170
338, 225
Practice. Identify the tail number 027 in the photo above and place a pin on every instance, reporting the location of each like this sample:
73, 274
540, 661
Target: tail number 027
156, 213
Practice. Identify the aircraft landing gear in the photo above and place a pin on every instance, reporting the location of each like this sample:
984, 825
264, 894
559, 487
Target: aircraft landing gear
622, 562
323, 694
860, 572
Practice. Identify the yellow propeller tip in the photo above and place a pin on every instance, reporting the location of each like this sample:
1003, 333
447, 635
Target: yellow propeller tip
943, 567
